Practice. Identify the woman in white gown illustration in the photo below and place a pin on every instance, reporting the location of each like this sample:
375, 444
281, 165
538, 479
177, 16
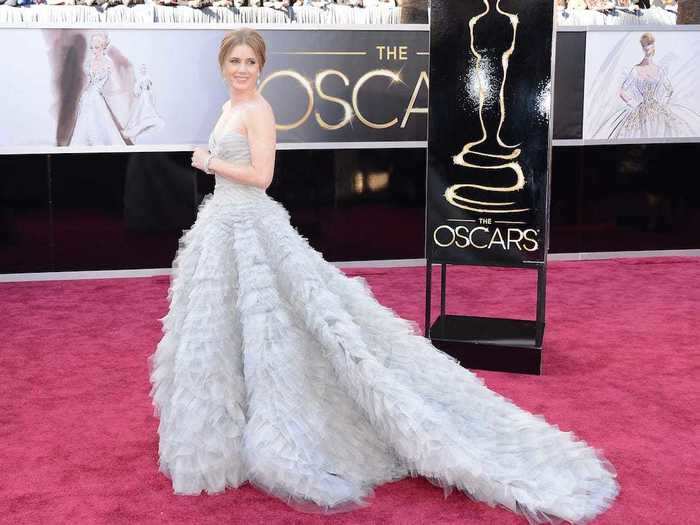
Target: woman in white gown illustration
647, 93
144, 116
96, 124
277, 369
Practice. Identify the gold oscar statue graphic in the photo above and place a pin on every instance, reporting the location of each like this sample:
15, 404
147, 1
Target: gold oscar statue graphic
489, 156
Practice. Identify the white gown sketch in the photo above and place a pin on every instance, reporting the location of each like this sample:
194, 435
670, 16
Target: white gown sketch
276, 368
653, 99
649, 112
144, 116
96, 124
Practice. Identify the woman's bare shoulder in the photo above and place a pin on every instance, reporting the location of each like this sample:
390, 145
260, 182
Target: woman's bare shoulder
260, 110
263, 105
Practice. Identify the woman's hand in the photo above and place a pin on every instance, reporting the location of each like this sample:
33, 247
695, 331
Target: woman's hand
199, 158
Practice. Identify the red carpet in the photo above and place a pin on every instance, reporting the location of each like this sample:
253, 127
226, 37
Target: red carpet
78, 440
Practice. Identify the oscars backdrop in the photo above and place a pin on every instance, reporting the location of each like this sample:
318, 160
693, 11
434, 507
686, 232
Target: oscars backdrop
112, 89
489, 131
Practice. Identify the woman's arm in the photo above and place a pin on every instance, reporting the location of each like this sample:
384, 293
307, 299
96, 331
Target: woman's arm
262, 140
625, 89
666, 83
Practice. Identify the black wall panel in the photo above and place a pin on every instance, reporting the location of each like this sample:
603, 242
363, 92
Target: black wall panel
570, 65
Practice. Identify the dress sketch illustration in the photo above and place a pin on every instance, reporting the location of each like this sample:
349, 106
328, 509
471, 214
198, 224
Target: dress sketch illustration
144, 116
649, 111
96, 124
114, 107
652, 99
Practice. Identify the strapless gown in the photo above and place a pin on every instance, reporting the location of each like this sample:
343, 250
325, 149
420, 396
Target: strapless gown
277, 369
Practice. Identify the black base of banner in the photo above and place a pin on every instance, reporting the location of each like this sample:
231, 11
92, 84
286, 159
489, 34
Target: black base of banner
505, 345
488, 343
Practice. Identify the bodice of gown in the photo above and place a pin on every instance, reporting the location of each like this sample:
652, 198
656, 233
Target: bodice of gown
97, 78
233, 147
648, 90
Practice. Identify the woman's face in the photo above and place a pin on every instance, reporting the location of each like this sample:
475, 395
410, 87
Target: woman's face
649, 49
241, 68
97, 45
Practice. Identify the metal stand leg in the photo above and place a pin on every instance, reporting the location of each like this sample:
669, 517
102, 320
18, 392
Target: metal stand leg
428, 283
541, 300
443, 283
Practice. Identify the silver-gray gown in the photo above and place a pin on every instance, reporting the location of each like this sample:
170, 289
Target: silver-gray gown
277, 369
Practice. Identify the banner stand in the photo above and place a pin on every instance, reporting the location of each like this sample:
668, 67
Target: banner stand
488, 170
488, 343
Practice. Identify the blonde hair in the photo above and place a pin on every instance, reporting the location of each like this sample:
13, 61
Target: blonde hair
244, 36
104, 36
646, 39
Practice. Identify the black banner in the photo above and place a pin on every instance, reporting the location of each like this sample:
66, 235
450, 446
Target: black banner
489, 131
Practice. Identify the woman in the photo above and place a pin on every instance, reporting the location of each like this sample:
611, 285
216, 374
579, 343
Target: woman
276, 368
96, 124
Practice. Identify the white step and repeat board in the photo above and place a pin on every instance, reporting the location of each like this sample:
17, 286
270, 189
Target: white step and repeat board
105, 88
330, 87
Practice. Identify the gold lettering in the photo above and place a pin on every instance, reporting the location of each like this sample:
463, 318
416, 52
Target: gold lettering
364, 78
410, 109
392, 52
346, 107
304, 84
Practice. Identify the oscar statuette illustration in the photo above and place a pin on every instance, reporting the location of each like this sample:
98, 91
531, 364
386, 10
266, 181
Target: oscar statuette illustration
489, 162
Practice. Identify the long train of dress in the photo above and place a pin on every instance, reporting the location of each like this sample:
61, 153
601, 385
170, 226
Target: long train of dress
277, 369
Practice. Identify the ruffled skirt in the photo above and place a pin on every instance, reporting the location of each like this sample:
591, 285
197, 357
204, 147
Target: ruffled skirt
277, 369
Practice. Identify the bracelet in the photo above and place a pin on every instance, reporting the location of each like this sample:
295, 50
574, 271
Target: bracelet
206, 164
